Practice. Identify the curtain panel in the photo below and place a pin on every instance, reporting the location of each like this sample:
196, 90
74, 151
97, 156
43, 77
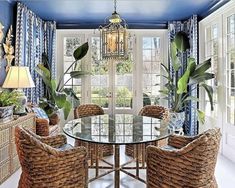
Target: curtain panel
34, 36
190, 27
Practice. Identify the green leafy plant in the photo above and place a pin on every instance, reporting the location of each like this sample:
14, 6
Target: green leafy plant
177, 88
8, 98
56, 97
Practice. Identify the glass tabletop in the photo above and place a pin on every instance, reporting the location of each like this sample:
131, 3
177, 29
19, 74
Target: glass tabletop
117, 129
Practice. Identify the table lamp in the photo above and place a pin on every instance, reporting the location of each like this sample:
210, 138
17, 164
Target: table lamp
19, 78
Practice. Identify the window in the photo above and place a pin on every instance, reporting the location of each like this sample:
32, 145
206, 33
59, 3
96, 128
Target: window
119, 86
230, 70
151, 70
100, 76
124, 84
211, 51
70, 44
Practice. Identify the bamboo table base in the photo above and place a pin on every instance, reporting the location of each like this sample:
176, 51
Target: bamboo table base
116, 167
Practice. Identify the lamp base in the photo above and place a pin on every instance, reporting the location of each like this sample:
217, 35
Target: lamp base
22, 99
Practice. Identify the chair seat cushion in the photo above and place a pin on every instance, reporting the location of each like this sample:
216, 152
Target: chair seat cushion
65, 147
40, 113
168, 147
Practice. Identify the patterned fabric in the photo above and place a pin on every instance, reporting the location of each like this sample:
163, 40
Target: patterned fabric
40, 113
33, 37
191, 28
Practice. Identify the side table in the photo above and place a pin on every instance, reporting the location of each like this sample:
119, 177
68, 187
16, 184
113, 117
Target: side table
9, 162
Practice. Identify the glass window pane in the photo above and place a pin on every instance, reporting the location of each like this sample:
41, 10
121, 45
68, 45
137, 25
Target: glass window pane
230, 76
211, 51
151, 68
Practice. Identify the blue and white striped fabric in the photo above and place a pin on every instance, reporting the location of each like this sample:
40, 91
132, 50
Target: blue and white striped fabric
33, 37
40, 113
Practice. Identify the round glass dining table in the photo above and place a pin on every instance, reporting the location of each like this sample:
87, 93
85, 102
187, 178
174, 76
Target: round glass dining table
118, 129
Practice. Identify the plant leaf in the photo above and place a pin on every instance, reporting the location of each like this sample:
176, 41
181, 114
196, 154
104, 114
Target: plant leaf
183, 81
175, 61
45, 61
201, 116
191, 98
44, 73
78, 74
201, 78
66, 109
70, 92
191, 65
165, 69
60, 99
164, 91
209, 91
202, 68
81, 51
182, 41
53, 85
167, 77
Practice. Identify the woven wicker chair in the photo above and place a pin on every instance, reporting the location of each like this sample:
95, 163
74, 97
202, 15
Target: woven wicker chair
48, 162
45, 128
188, 161
91, 110
154, 111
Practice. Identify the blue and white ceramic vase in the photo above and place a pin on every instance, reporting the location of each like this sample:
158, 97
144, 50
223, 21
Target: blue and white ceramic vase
176, 122
6, 113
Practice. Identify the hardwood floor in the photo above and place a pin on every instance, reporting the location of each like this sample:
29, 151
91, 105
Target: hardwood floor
225, 175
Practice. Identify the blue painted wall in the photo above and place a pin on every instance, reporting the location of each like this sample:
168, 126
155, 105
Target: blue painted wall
7, 18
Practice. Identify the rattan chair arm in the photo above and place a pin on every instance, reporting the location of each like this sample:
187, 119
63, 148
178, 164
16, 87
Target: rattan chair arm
176, 152
54, 141
42, 127
78, 152
178, 141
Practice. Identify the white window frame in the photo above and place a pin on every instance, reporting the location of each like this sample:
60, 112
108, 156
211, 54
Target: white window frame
137, 83
228, 130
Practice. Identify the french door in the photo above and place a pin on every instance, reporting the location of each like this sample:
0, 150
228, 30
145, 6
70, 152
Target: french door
117, 86
111, 82
217, 41
229, 86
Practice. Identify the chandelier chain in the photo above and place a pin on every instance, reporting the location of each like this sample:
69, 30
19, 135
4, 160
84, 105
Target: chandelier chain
115, 5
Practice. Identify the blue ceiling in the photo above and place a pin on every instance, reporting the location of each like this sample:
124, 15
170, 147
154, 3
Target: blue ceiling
135, 12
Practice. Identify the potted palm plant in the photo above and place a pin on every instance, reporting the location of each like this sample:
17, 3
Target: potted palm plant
56, 97
178, 88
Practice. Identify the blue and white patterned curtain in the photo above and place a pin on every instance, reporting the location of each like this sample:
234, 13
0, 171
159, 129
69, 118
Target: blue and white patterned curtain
33, 37
191, 28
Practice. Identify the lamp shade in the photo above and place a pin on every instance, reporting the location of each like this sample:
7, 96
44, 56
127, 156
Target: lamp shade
18, 77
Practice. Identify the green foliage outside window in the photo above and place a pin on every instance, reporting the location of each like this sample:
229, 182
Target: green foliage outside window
125, 67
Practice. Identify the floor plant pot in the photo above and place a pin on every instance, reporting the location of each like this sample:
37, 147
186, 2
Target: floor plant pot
176, 122
6, 113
